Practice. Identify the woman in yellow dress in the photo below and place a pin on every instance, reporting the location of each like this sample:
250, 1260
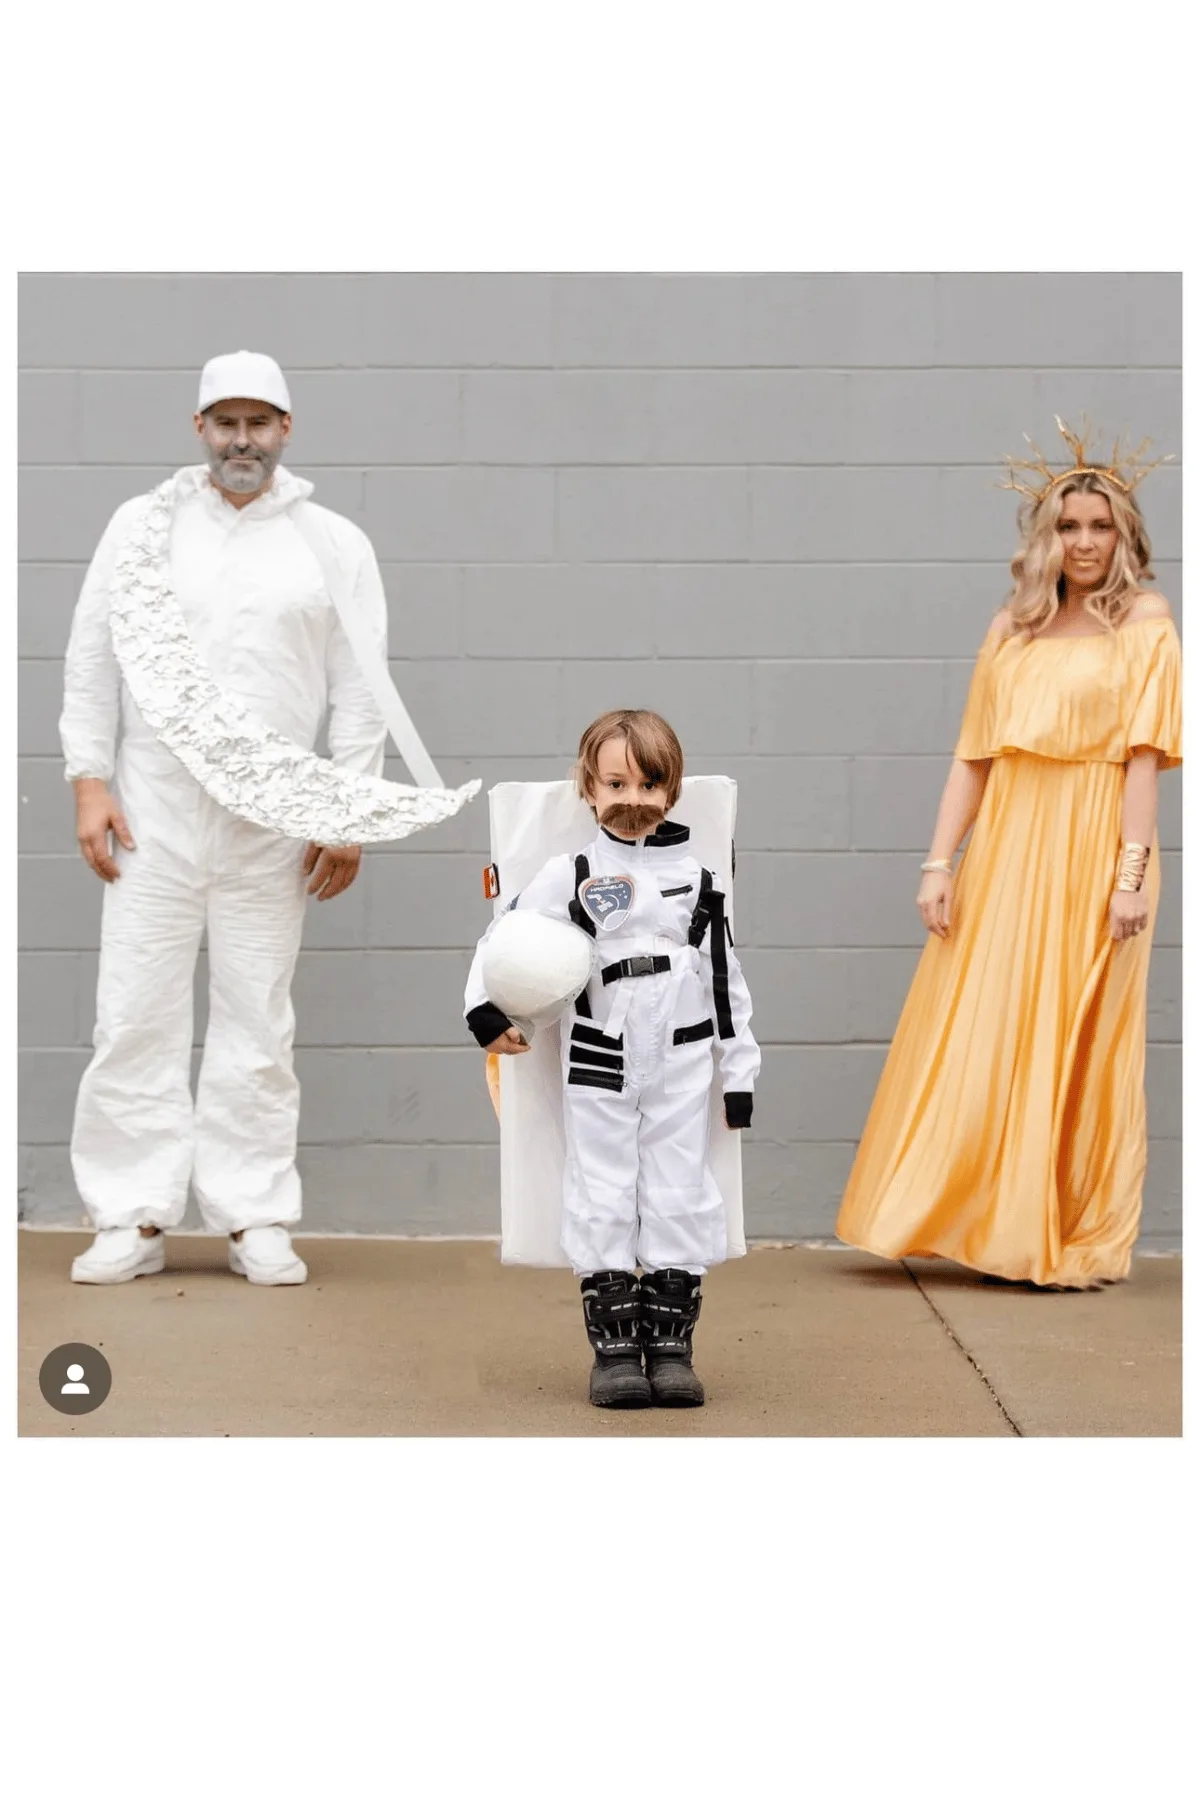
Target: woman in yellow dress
1008, 1131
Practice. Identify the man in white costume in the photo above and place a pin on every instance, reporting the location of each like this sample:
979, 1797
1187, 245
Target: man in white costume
250, 561
637, 1062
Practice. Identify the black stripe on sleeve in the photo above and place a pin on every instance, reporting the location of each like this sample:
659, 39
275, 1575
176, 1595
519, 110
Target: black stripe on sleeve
720, 966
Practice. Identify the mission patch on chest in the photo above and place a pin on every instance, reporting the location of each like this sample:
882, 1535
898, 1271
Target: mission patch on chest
607, 899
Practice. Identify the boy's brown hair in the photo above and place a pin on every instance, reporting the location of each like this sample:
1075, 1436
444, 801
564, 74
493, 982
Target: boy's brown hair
649, 740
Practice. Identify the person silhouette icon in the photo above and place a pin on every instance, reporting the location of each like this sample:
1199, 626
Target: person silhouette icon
75, 1378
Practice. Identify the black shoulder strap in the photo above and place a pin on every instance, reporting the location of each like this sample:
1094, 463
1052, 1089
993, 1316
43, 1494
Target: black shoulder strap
578, 916
702, 911
709, 911
721, 935
583, 1005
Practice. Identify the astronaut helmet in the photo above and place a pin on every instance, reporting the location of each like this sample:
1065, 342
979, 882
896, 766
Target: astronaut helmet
535, 967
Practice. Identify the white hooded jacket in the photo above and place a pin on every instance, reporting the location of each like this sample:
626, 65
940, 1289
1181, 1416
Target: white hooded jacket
256, 601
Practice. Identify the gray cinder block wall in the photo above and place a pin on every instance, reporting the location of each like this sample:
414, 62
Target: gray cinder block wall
764, 505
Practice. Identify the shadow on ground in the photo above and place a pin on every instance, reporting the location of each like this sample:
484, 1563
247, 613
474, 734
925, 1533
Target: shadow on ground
392, 1337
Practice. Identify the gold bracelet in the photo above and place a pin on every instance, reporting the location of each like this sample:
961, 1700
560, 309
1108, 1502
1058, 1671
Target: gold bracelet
943, 865
1131, 868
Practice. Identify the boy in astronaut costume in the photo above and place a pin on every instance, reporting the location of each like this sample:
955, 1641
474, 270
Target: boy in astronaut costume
637, 1062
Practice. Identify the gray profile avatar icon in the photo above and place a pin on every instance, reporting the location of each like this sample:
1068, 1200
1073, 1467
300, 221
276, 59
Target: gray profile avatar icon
75, 1378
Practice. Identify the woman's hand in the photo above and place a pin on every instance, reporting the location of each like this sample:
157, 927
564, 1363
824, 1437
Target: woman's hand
509, 1043
1128, 914
933, 901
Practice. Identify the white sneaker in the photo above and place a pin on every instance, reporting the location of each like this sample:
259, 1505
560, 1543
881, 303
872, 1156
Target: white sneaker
264, 1255
120, 1254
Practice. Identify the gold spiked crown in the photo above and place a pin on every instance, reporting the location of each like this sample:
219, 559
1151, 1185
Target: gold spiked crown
1036, 478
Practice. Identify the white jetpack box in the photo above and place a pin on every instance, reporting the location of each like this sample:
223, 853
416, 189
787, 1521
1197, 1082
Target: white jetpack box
531, 821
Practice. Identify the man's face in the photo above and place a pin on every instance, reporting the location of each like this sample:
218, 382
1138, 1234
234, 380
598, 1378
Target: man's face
243, 440
628, 802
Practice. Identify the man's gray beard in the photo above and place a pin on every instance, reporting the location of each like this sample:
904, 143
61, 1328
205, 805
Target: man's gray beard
243, 480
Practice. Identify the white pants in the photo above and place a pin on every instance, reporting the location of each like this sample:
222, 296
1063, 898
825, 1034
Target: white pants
637, 1186
138, 1140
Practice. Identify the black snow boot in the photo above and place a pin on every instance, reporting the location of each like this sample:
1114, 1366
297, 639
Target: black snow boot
670, 1308
612, 1314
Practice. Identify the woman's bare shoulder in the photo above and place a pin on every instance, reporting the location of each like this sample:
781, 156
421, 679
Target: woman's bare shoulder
1150, 606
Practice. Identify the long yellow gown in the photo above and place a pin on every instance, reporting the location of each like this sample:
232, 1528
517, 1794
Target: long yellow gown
1008, 1131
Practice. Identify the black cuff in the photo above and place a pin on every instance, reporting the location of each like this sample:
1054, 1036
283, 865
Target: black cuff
738, 1108
486, 1023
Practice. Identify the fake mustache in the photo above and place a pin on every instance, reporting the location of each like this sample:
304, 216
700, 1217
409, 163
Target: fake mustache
636, 820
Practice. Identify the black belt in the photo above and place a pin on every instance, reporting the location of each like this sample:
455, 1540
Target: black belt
636, 965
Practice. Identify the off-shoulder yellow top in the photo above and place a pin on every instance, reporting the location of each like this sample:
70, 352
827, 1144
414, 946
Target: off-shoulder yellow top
1078, 699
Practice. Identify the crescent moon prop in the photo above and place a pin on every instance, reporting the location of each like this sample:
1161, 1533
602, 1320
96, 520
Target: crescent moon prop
250, 769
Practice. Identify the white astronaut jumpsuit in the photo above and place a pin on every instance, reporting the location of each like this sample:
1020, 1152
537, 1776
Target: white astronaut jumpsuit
638, 1053
255, 598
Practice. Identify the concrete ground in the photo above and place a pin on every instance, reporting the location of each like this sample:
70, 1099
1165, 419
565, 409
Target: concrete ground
393, 1337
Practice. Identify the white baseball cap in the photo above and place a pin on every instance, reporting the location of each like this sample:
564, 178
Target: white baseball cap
243, 375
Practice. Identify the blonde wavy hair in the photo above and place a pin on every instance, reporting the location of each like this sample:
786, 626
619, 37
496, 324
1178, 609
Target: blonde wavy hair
1039, 586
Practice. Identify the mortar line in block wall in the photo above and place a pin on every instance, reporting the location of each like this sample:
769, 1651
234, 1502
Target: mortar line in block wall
746, 851
556, 658
658, 564
561, 466
1131, 370
467, 1047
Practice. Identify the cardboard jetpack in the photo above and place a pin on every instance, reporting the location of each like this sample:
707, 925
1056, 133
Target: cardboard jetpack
531, 821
